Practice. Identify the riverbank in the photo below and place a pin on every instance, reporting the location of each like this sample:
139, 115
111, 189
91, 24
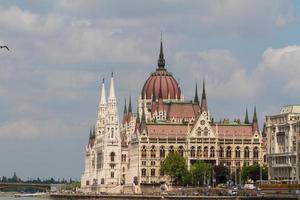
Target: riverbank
166, 197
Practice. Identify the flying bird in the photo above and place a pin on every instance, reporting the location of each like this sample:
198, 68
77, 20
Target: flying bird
4, 47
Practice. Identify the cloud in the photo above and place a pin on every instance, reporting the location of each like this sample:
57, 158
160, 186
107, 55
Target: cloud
222, 71
282, 65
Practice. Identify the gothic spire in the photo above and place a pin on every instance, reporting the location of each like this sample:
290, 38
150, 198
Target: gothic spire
203, 107
137, 116
196, 100
254, 116
94, 132
91, 134
246, 117
129, 106
143, 116
112, 88
103, 97
161, 59
125, 108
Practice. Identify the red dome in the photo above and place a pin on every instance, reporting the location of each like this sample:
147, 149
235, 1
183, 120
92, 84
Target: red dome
161, 78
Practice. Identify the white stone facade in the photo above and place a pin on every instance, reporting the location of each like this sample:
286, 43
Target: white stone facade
283, 132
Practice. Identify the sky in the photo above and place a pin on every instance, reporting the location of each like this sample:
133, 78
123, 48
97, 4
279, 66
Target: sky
248, 52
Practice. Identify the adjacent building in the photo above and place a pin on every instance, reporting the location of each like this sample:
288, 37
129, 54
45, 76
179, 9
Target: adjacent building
129, 154
283, 132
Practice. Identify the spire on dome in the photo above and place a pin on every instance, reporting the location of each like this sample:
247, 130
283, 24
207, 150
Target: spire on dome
161, 59
112, 88
196, 100
203, 107
103, 97
129, 106
246, 117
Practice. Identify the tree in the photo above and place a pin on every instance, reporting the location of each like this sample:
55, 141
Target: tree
175, 166
221, 173
253, 172
200, 172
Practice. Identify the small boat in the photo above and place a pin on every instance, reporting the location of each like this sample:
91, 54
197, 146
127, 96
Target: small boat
37, 194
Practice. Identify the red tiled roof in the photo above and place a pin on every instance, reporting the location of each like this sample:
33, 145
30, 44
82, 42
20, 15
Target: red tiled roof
167, 130
180, 110
233, 131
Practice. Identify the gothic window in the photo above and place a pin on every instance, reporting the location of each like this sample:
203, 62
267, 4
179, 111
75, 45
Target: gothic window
112, 156
112, 132
162, 152
212, 152
228, 152
123, 169
144, 172
246, 153
237, 152
205, 131
221, 152
99, 160
153, 152
112, 174
144, 152
199, 152
171, 150
255, 153
181, 150
123, 157
205, 152
192, 151
199, 131
152, 172
152, 163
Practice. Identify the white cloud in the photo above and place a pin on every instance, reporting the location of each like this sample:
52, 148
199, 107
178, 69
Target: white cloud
280, 68
222, 72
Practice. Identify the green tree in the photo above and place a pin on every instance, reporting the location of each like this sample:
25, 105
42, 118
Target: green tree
253, 172
175, 166
200, 172
221, 173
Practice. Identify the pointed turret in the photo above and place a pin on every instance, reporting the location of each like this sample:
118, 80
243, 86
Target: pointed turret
203, 107
94, 132
91, 134
196, 100
138, 120
246, 117
161, 59
103, 96
254, 116
255, 122
112, 88
125, 108
129, 106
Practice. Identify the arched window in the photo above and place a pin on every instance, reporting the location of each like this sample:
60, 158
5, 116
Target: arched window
212, 152
246, 152
221, 152
112, 132
255, 153
162, 152
237, 152
199, 151
152, 172
112, 156
144, 152
192, 151
171, 150
144, 172
205, 131
205, 152
228, 152
181, 150
153, 152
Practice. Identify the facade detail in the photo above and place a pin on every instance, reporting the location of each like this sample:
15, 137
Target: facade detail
164, 122
283, 131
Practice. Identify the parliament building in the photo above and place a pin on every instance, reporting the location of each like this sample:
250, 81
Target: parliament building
126, 152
